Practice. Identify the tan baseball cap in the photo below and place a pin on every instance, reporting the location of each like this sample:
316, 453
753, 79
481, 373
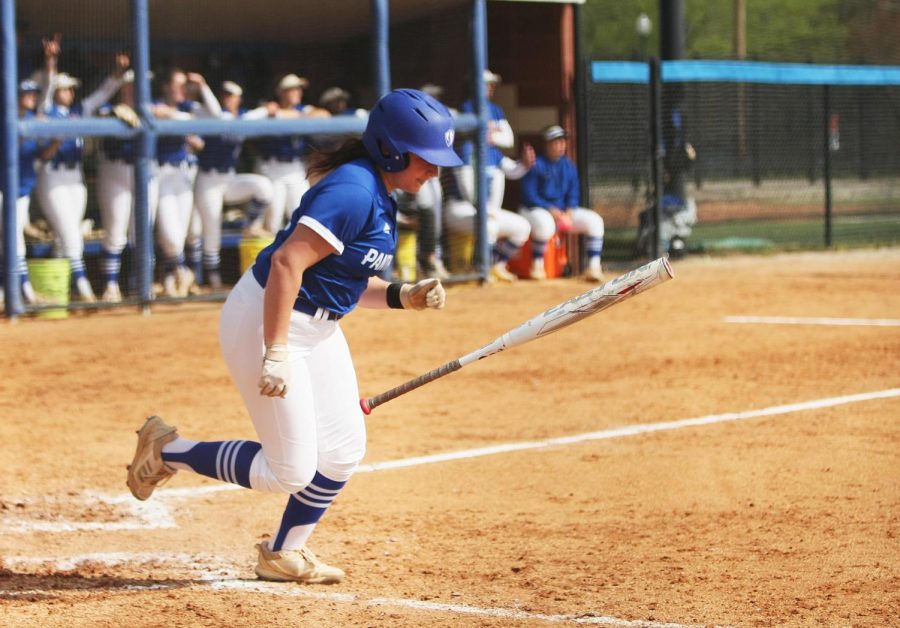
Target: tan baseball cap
65, 81
491, 77
230, 87
291, 81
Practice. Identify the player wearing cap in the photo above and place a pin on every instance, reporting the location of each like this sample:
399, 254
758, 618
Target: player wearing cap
281, 157
283, 344
218, 182
175, 202
61, 188
115, 187
28, 154
550, 199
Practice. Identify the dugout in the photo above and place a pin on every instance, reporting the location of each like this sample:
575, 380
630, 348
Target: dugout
532, 44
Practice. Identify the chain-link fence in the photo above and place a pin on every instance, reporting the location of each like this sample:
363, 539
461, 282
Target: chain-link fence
755, 155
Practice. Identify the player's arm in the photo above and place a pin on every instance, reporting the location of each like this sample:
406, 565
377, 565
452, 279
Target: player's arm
301, 250
502, 134
380, 294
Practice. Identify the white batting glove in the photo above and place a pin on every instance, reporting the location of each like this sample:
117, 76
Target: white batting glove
428, 293
276, 372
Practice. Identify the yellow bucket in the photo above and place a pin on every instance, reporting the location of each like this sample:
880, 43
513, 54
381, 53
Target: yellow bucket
406, 255
462, 252
50, 279
249, 248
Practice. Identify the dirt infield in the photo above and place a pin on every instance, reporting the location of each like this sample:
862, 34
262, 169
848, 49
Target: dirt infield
780, 505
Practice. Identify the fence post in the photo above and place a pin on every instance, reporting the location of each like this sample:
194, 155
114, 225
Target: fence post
826, 146
479, 63
381, 69
657, 151
145, 153
10, 148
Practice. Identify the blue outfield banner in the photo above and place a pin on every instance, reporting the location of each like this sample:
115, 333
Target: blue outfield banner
746, 72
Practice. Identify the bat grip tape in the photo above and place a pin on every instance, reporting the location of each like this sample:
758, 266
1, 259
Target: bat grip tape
402, 389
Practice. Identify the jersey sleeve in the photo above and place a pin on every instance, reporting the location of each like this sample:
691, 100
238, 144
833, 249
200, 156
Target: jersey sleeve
339, 213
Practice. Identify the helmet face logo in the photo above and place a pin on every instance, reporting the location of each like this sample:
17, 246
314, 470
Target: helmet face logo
448, 137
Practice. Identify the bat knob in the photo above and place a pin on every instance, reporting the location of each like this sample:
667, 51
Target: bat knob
364, 404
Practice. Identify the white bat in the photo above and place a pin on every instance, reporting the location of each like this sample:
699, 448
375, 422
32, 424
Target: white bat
565, 314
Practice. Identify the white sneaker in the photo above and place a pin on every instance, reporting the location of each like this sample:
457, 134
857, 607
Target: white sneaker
85, 292
184, 279
169, 287
147, 469
537, 269
593, 274
112, 294
294, 566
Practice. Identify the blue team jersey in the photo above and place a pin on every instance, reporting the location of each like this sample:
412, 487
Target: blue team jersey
71, 149
28, 149
551, 184
494, 154
172, 149
351, 210
283, 147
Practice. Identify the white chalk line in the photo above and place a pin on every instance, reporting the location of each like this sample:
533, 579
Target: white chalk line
155, 514
813, 320
227, 578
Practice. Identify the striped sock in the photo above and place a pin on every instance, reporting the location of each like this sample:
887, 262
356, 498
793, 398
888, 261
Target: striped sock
504, 250
211, 261
303, 511
228, 461
78, 270
594, 246
538, 248
112, 265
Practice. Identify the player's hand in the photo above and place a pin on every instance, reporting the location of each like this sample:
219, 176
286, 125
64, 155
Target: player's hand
52, 45
127, 115
428, 293
194, 77
123, 62
276, 372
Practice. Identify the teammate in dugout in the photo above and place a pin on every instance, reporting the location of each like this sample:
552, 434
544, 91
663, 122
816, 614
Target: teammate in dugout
281, 340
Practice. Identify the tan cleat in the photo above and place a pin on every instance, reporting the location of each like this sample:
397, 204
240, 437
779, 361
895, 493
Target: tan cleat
147, 469
112, 293
499, 272
294, 566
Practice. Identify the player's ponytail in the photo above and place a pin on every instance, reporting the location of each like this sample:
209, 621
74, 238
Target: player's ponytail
320, 162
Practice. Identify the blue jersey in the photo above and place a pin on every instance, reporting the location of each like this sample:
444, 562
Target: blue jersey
494, 154
551, 184
28, 149
116, 148
221, 152
71, 149
283, 147
172, 149
352, 211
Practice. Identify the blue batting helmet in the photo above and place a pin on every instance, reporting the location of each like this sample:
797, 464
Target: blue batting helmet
410, 121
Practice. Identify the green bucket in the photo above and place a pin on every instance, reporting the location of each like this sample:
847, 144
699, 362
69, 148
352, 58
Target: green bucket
50, 279
249, 248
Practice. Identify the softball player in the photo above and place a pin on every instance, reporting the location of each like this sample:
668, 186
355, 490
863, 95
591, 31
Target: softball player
60, 181
550, 193
217, 182
282, 156
284, 313
507, 231
175, 181
28, 153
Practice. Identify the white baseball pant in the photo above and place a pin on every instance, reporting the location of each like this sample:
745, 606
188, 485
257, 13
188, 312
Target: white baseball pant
543, 225
115, 196
174, 207
63, 197
460, 216
288, 186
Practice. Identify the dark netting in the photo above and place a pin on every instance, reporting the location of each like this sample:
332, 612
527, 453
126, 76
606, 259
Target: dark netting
757, 175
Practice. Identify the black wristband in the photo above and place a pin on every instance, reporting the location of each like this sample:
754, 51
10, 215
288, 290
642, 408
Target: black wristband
393, 296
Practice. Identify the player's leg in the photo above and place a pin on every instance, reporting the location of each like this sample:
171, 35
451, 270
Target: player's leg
63, 198
171, 225
512, 231
296, 186
590, 223
543, 227
184, 276
209, 194
273, 215
115, 198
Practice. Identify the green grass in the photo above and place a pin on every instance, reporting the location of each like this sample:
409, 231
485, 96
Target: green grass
847, 231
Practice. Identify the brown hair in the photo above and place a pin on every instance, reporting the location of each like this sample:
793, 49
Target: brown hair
322, 162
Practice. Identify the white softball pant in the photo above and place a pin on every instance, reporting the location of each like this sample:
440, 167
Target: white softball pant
288, 186
318, 425
460, 216
543, 226
213, 190
115, 196
22, 205
63, 198
174, 207
496, 184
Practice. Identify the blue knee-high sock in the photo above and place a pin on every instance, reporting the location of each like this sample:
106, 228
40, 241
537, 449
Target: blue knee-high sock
228, 461
538, 248
594, 246
78, 270
504, 250
306, 506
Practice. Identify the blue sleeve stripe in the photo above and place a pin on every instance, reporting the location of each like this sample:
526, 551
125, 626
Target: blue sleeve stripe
747, 72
